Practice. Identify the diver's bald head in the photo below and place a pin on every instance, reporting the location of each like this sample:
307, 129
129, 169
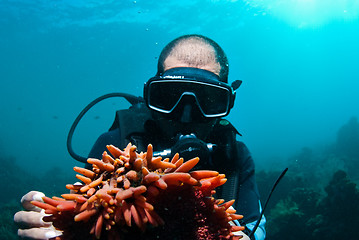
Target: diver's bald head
194, 51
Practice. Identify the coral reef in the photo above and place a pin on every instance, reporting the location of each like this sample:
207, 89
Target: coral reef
297, 209
8, 229
338, 210
132, 195
332, 215
319, 192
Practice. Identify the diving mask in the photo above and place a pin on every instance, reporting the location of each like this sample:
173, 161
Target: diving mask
200, 87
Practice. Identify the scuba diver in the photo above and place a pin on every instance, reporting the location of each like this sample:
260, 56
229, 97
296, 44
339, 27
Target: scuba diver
181, 111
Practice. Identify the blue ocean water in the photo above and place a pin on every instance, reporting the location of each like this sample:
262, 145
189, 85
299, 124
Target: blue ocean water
297, 59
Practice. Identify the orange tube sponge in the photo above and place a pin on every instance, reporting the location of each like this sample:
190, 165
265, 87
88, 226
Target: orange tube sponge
129, 195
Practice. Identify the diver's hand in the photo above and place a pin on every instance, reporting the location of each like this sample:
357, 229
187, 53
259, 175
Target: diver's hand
30, 221
245, 237
240, 235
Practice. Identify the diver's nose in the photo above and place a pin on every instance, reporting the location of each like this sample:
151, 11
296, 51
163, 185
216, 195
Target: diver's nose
186, 116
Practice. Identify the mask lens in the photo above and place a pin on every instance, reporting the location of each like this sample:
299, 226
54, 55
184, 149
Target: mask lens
164, 96
214, 100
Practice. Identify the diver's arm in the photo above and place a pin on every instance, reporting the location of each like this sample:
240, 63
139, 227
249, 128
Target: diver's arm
260, 233
248, 201
108, 138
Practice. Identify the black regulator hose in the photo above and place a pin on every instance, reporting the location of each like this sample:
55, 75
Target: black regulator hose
266, 203
130, 98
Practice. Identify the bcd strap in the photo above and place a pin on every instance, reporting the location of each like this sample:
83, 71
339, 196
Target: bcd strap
224, 135
226, 158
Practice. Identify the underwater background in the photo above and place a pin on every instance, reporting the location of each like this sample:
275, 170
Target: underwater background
298, 106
